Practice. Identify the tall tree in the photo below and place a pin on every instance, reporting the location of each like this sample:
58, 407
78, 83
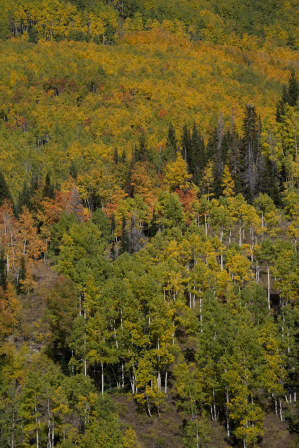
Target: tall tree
250, 152
4, 190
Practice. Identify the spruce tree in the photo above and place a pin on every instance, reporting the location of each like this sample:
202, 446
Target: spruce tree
250, 152
186, 145
3, 272
113, 225
280, 110
141, 149
233, 156
125, 241
115, 156
197, 162
123, 157
4, 190
24, 198
293, 90
73, 170
171, 144
48, 190
129, 187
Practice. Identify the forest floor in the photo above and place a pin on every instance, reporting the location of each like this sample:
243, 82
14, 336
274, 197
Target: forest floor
166, 431
33, 328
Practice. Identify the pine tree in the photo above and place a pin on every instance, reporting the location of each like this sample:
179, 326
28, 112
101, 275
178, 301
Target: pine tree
73, 170
24, 198
198, 154
48, 190
3, 272
293, 91
280, 110
218, 161
171, 144
123, 157
129, 187
141, 149
186, 145
233, 156
4, 190
115, 156
250, 152
125, 241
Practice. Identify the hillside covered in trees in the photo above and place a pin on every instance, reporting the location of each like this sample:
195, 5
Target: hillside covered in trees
149, 224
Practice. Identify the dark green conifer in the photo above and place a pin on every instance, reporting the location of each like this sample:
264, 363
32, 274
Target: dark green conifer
3, 272
293, 90
48, 190
250, 152
4, 190
73, 170
171, 144
125, 240
141, 150
186, 145
115, 156
24, 198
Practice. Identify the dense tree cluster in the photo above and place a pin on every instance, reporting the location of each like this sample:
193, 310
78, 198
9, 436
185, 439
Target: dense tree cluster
225, 21
155, 182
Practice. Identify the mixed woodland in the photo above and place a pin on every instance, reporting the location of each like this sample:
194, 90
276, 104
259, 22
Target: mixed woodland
149, 224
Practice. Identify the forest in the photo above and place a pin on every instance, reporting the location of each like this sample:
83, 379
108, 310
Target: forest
149, 225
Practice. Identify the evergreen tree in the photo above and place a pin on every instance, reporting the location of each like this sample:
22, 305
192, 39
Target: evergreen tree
129, 187
24, 198
293, 91
171, 144
115, 156
218, 160
73, 170
186, 145
48, 190
4, 190
3, 272
197, 162
123, 157
125, 240
280, 110
141, 149
285, 95
112, 225
250, 152
233, 156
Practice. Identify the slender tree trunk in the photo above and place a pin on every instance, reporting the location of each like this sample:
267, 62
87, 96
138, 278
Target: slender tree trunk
200, 312
269, 286
122, 375
165, 382
240, 235
280, 410
102, 377
148, 406
13, 430
206, 225
227, 415
37, 426
84, 360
